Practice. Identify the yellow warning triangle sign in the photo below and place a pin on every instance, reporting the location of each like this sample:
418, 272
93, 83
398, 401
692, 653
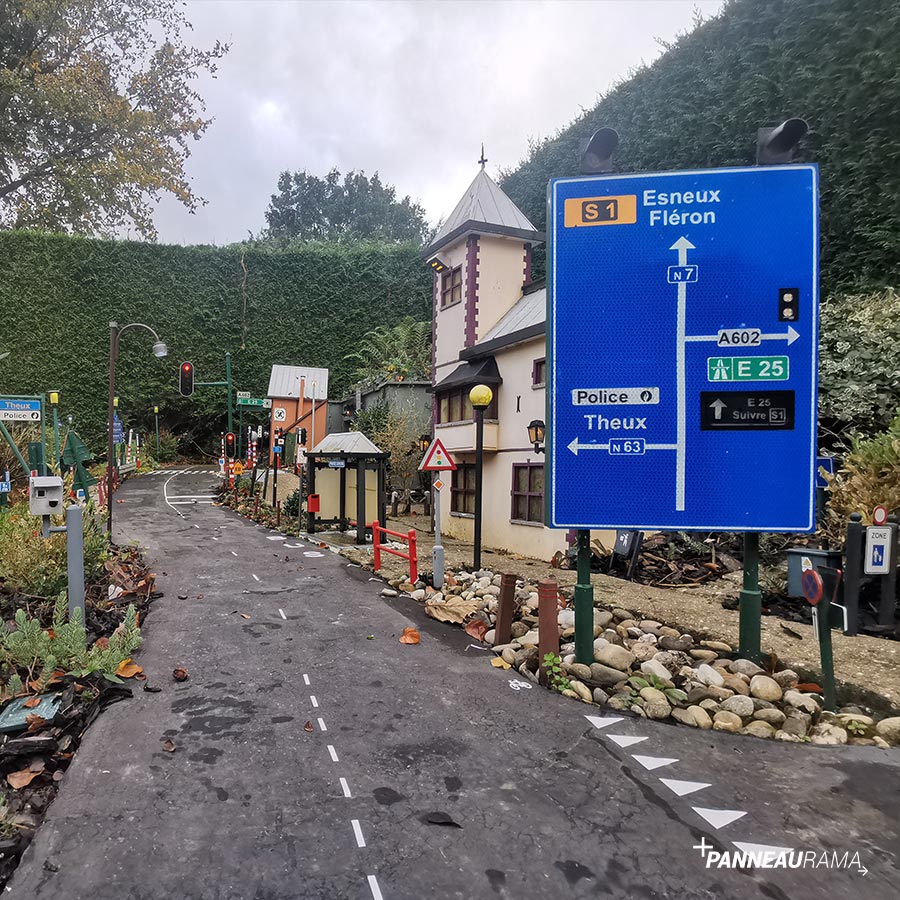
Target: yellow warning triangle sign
437, 459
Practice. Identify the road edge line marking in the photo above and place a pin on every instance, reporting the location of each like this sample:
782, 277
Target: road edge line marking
357, 831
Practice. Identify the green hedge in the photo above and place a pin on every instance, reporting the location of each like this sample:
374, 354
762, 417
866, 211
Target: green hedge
305, 306
834, 63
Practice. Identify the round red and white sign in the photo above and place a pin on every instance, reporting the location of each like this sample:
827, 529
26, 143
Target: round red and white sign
879, 515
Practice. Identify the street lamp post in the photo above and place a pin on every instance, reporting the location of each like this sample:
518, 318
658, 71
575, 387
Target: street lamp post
159, 351
54, 402
156, 418
480, 397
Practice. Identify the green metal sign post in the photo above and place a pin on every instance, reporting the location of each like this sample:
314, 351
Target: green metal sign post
584, 600
226, 383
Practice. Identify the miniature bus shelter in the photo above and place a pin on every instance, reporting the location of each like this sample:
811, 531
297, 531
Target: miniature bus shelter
337, 470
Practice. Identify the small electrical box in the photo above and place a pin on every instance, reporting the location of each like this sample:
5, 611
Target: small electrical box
45, 495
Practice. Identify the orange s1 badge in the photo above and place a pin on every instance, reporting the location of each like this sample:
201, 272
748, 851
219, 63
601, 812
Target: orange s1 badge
584, 211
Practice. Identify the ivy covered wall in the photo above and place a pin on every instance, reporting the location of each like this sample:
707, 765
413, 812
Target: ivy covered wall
834, 63
304, 306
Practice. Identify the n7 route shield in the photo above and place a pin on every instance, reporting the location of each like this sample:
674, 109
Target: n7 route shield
682, 339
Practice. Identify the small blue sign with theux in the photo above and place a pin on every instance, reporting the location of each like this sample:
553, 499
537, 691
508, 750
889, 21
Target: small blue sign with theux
682, 352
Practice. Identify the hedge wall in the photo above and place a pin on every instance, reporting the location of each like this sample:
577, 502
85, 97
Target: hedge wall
306, 306
834, 63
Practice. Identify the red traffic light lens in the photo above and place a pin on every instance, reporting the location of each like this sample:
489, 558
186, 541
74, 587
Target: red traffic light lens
186, 367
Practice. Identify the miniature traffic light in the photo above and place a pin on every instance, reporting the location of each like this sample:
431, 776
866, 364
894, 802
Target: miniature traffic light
186, 379
229, 445
775, 146
596, 157
301, 436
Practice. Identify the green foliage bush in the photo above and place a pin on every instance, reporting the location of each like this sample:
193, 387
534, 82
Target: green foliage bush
168, 446
831, 62
37, 566
307, 305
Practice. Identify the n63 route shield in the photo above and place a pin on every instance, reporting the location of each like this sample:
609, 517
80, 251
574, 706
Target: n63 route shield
682, 350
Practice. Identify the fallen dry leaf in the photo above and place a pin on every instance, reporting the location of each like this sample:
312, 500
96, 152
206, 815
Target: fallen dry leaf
102, 643
498, 662
22, 778
456, 610
410, 636
477, 628
128, 669
169, 746
808, 688
31, 702
245, 616
34, 722
308, 726
180, 674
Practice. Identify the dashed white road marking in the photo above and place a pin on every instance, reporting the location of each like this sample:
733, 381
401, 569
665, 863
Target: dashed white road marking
283, 616
718, 818
305, 678
683, 788
321, 722
255, 577
274, 537
625, 740
654, 762
333, 753
313, 553
373, 887
603, 721
294, 546
312, 699
346, 788
233, 553
196, 526
215, 538
360, 840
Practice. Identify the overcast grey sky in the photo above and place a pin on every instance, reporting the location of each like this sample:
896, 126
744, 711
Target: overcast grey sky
409, 88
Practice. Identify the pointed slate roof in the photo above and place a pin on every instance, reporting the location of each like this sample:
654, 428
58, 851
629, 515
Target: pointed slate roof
484, 209
353, 443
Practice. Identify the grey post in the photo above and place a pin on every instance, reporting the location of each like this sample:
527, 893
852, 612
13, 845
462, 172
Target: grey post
75, 558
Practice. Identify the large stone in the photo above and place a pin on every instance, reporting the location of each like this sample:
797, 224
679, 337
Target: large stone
418, 594
845, 718
490, 636
727, 721
600, 696
652, 695
828, 734
615, 657
508, 655
787, 736
704, 655
786, 678
673, 660
708, 692
527, 656
518, 629
718, 646
604, 675
667, 642
739, 704
566, 618
684, 716
657, 709
530, 638
759, 729
701, 717
889, 730
765, 688
709, 676
648, 626
772, 716
602, 618
621, 614
655, 667
806, 702
619, 701
745, 667
583, 691
579, 670
737, 684
642, 652
796, 723
709, 705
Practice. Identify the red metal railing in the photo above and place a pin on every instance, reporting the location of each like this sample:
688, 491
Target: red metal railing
409, 537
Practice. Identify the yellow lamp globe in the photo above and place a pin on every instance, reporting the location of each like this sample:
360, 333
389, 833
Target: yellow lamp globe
480, 396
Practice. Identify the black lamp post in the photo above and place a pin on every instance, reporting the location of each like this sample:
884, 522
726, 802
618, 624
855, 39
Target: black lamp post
480, 397
159, 350
536, 430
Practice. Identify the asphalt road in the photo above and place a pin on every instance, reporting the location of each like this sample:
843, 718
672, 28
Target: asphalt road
316, 757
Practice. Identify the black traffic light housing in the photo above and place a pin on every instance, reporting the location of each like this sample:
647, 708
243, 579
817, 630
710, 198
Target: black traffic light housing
186, 379
776, 145
301, 436
596, 157
229, 445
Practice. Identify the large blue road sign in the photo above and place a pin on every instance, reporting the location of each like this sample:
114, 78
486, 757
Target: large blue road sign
682, 336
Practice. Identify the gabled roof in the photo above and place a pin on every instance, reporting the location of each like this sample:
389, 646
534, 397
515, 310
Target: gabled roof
284, 382
354, 443
527, 319
485, 209
467, 374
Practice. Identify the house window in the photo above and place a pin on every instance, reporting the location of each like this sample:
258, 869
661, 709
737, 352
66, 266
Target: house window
462, 490
528, 492
451, 287
455, 406
539, 373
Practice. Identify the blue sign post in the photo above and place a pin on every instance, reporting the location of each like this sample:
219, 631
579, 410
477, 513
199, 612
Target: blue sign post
682, 336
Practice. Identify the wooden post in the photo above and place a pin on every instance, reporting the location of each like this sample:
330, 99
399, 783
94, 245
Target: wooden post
376, 546
548, 619
505, 608
361, 501
278, 514
413, 559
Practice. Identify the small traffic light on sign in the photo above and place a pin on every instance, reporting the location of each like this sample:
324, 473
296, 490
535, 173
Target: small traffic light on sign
301, 435
186, 379
229, 445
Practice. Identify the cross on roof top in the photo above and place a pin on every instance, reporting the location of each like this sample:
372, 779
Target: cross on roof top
483, 159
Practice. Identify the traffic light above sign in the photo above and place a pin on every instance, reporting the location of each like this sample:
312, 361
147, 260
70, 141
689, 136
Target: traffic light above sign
229, 445
437, 459
186, 379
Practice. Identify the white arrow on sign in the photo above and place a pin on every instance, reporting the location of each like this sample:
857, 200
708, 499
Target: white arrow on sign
718, 406
576, 445
790, 336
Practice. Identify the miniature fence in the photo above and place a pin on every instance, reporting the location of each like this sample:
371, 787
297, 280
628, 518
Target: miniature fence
410, 538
